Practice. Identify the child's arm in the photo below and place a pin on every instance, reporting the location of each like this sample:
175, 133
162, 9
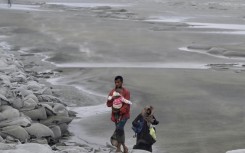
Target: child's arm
126, 101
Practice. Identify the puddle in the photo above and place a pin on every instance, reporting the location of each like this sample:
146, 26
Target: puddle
217, 26
90, 4
235, 29
205, 52
166, 19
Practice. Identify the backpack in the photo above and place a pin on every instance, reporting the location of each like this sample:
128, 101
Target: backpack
137, 129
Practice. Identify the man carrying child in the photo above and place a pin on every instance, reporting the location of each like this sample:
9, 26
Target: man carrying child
118, 99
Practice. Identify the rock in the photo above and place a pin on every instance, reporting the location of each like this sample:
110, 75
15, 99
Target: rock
29, 104
23, 92
72, 113
56, 120
48, 98
34, 86
5, 80
49, 109
38, 130
56, 130
44, 91
18, 77
4, 146
17, 132
29, 148
1, 140
9, 112
3, 98
33, 97
2, 117
17, 103
3, 64
39, 140
36, 114
63, 128
73, 149
8, 69
60, 109
21, 121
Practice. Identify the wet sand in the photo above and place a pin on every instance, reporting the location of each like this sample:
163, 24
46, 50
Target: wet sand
184, 58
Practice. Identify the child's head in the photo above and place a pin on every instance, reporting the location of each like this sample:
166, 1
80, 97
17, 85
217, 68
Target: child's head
116, 93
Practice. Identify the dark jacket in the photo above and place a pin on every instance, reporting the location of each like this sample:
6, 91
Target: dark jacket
144, 140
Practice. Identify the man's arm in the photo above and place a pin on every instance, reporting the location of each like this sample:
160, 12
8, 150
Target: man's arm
110, 100
124, 109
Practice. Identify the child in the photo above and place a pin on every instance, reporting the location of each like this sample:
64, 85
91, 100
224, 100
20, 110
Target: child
146, 137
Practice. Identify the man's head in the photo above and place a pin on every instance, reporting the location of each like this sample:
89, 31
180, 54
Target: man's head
118, 81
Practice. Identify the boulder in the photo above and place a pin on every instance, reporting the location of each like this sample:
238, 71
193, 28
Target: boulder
9, 112
63, 128
32, 96
1, 139
17, 103
29, 104
17, 132
48, 98
56, 120
56, 130
38, 130
29, 148
49, 109
36, 114
60, 109
4, 146
21, 121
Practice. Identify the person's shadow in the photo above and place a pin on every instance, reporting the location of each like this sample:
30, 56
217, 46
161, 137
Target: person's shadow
9, 3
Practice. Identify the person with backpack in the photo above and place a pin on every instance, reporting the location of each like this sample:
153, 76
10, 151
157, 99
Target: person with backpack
118, 100
143, 126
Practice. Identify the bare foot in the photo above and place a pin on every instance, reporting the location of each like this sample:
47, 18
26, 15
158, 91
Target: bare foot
118, 150
125, 149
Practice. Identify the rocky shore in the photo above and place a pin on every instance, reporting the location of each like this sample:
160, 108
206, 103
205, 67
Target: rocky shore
32, 117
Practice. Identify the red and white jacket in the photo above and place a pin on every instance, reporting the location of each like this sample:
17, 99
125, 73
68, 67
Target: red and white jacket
125, 109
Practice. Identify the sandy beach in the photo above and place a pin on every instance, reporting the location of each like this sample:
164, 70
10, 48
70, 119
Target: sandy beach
186, 58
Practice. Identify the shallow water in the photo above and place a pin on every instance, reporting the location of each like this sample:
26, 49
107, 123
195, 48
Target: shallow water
200, 109
89, 5
20, 7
